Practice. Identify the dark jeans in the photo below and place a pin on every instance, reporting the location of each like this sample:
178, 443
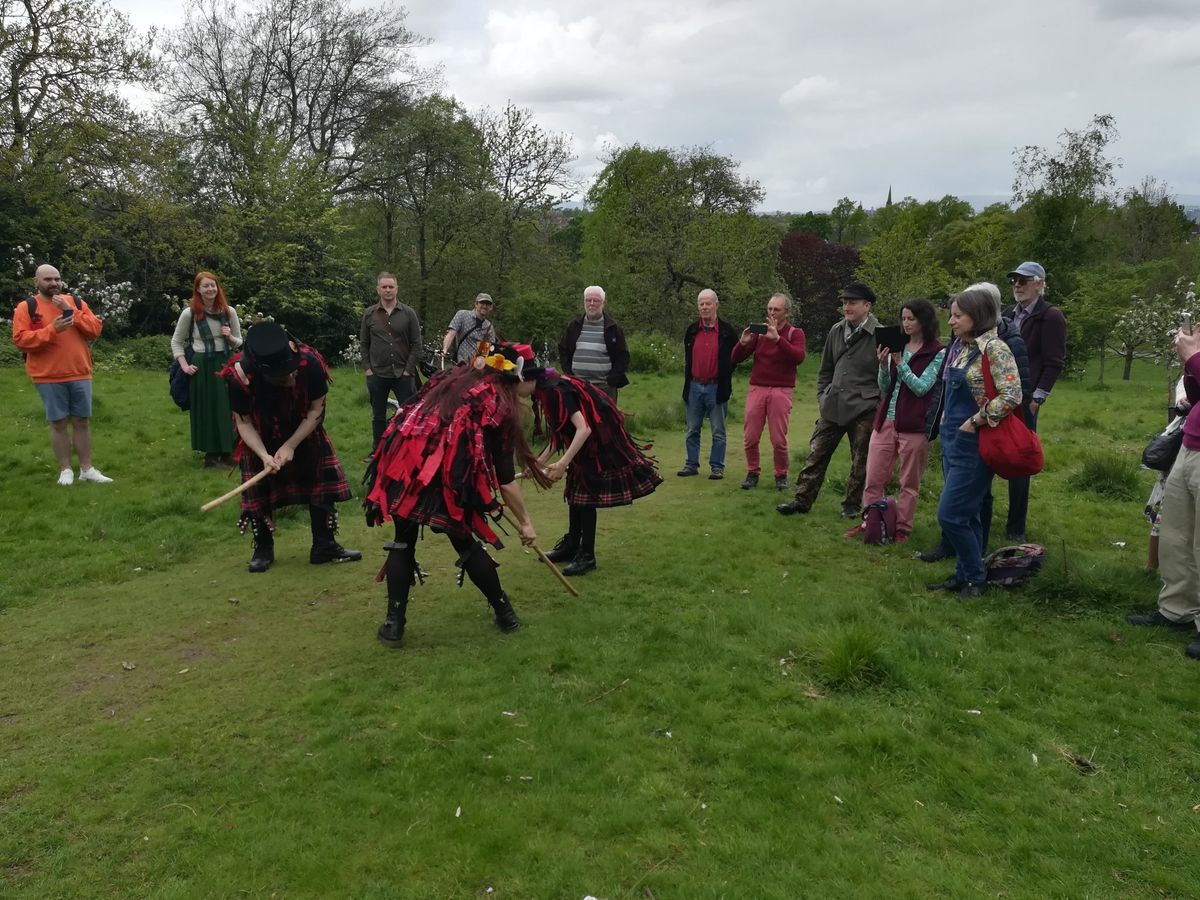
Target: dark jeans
378, 388
1018, 489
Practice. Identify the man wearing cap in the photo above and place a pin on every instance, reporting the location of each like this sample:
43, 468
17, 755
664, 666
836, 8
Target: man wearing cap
54, 330
1044, 330
593, 346
468, 328
847, 394
277, 394
390, 344
707, 383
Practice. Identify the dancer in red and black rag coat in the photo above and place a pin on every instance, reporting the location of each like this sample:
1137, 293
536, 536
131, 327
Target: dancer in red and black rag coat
442, 462
602, 463
277, 394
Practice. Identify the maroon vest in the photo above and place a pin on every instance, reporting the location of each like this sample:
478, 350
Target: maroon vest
910, 409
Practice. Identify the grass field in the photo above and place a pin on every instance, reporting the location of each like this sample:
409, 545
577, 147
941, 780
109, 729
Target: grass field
739, 705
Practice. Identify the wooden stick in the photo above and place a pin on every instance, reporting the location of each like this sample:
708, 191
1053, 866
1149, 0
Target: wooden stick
542, 556
244, 486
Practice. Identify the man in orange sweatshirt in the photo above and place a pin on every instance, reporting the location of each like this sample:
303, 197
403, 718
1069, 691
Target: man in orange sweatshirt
55, 341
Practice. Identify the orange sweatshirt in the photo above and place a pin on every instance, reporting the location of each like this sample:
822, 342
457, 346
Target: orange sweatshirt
55, 356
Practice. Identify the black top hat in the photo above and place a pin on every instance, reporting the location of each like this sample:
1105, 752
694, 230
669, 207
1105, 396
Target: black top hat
270, 349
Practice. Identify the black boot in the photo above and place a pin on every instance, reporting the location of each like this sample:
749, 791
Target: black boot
565, 549
583, 563
324, 548
391, 632
506, 616
264, 546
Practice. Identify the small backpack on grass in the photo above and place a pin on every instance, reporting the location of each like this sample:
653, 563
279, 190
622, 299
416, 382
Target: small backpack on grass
1012, 566
879, 522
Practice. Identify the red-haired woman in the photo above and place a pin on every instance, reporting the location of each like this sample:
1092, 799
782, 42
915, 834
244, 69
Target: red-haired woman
209, 328
447, 461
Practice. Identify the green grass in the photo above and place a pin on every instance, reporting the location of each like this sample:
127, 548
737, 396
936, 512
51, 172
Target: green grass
739, 705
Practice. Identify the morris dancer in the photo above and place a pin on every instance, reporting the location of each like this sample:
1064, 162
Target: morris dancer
441, 463
602, 464
277, 394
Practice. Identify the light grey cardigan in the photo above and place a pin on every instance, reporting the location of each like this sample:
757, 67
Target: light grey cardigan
184, 327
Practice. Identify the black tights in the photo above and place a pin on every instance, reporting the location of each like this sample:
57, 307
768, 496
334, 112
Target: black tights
582, 527
402, 566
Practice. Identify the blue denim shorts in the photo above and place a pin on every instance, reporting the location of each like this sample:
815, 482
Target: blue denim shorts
66, 398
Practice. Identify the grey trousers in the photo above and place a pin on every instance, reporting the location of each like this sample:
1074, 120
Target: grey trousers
1179, 541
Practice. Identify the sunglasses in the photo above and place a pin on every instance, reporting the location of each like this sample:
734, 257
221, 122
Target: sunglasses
1020, 281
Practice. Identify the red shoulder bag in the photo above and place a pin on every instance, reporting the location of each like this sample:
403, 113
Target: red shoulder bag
1009, 449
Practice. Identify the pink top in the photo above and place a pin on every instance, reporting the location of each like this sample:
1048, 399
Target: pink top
775, 362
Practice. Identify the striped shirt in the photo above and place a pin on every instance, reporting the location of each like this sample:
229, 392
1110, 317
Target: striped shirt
591, 361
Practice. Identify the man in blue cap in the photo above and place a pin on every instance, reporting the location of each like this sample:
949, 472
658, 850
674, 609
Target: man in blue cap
1044, 330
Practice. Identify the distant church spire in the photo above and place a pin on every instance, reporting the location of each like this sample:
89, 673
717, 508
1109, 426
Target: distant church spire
889, 199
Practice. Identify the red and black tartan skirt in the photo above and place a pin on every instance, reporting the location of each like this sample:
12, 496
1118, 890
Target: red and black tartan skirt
314, 476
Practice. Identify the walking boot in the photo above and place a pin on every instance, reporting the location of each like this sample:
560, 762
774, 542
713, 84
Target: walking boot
391, 632
264, 547
332, 552
564, 550
581, 564
750, 482
506, 616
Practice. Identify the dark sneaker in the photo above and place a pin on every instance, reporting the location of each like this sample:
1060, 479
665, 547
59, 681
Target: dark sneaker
581, 565
564, 550
950, 584
390, 634
1156, 618
791, 508
851, 512
750, 482
1193, 649
687, 471
716, 474
781, 483
334, 552
971, 591
937, 554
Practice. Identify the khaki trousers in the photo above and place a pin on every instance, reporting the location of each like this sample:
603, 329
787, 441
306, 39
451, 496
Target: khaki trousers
1179, 541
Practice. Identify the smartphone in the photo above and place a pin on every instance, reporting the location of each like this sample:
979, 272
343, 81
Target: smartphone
757, 328
1185, 322
68, 312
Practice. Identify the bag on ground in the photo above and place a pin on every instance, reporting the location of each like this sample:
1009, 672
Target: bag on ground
879, 522
1011, 566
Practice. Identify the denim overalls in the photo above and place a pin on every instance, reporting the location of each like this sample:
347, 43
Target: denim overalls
967, 479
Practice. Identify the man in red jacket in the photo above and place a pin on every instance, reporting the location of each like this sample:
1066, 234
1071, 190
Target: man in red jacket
777, 353
53, 330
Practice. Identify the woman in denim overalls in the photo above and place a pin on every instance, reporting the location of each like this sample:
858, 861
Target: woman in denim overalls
966, 410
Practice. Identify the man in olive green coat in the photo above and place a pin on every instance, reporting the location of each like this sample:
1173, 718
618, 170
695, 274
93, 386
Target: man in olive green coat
847, 394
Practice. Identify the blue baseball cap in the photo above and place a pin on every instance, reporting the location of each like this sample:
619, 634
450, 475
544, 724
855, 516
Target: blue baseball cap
1028, 270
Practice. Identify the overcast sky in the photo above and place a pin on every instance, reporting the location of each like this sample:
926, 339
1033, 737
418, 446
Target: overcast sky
824, 100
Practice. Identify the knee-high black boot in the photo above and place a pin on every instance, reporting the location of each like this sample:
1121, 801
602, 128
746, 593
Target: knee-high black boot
481, 569
323, 522
401, 571
264, 545
585, 558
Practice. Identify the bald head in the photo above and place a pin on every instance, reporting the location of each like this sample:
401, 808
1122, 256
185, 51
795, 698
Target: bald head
47, 281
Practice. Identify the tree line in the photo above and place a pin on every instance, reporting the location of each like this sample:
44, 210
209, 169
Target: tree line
295, 148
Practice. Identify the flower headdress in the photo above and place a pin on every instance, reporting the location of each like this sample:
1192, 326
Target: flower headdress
514, 361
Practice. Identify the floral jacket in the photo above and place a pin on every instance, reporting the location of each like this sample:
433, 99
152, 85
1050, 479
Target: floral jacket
1004, 374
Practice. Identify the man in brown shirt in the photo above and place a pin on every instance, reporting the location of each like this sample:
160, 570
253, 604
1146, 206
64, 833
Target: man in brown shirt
390, 341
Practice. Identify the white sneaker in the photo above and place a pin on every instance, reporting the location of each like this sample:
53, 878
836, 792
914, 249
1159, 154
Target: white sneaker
66, 478
94, 475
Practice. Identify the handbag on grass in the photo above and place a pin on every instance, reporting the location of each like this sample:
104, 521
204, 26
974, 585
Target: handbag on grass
1009, 449
1160, 453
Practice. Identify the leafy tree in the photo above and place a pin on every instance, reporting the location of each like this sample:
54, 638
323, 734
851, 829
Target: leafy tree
810, 222
666, 223
1149, 224
815, 271
529, 171
847, 222
899, 265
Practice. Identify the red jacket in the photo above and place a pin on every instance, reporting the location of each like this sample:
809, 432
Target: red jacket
775, 362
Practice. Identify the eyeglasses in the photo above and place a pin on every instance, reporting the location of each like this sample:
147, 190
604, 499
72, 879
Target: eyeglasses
1019, 281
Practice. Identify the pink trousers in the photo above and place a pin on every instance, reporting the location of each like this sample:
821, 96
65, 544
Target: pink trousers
913, 451
772, 406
